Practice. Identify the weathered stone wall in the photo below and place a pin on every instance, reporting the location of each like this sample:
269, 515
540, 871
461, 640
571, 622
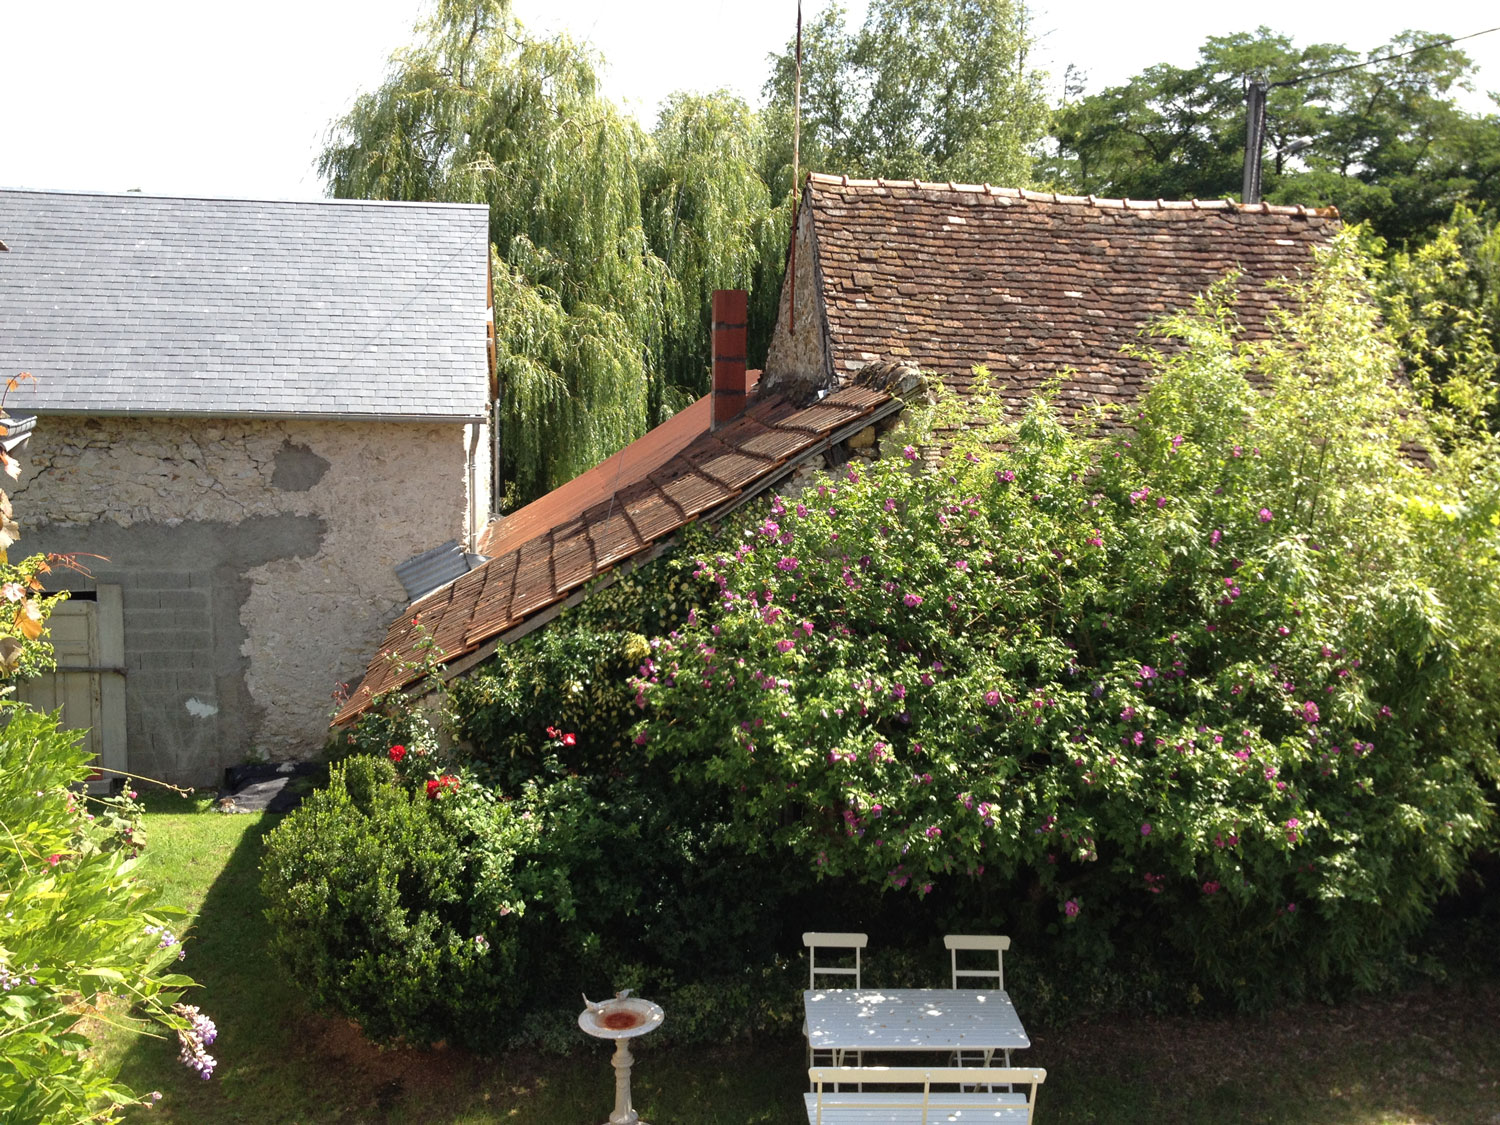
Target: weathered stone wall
255, 560
798, 361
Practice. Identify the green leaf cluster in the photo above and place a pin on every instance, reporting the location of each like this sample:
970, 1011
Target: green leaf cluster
925, 89
80, 938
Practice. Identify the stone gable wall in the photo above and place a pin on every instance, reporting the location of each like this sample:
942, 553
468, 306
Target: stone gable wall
255, 559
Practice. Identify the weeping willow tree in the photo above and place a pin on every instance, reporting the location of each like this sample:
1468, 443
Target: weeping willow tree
709, 216
477, 112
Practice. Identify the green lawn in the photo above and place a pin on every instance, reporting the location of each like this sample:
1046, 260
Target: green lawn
1429, 1057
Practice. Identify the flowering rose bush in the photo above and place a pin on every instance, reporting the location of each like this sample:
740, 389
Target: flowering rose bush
1226, 679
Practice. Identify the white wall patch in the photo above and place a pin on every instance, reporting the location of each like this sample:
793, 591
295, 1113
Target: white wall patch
200, 710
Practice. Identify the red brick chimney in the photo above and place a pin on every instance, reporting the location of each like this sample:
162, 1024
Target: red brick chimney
731, 386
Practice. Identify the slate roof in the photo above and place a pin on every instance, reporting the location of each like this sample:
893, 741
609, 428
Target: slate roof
620, 510
946, 276
135, 304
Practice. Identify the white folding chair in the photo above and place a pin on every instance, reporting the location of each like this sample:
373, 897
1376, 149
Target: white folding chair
840, 946
993, 978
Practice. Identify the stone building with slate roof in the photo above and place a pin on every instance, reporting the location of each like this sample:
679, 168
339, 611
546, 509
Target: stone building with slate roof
1027, 284
249, 414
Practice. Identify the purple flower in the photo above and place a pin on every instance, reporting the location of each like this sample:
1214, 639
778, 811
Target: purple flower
1214, 536
1310, 712
1177, 441
934, 831
991, 698
787, 563
1146, 829
1265, 515
1004, 475
912, 601
1071, 908
910, 453
785, 645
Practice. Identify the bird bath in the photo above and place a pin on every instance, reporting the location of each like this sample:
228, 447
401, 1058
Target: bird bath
621, 1019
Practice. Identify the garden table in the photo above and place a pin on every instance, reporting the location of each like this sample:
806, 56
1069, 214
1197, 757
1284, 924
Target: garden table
912, 1019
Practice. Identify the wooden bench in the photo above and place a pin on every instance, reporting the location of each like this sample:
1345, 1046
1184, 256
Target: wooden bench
961, 1102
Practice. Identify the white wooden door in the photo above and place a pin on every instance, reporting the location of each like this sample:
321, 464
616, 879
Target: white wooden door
88, 640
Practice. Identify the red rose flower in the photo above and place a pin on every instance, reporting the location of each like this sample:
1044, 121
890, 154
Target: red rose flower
570, 739
397, 753
432, 787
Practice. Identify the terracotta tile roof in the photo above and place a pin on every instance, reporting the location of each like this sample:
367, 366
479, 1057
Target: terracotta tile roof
622, 508
946, 276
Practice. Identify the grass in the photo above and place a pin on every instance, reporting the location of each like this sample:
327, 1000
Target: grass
1424, 1058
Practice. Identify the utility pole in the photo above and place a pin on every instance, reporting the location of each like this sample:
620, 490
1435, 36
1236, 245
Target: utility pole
1255, 134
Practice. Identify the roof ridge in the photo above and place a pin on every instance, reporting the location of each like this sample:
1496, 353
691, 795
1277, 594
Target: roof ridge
203, 197
1026, 194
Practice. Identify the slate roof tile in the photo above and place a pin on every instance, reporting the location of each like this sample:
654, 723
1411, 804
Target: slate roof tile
137, 304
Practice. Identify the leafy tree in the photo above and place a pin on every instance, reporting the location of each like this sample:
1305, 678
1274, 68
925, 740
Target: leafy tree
926, 89
709, 218
475, 112
608, 241
1388, 142
1442, 302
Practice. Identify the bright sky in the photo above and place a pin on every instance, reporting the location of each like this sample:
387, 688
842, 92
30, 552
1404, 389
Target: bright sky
195, 97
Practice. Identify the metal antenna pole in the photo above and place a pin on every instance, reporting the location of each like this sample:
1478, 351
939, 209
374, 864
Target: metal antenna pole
796, 173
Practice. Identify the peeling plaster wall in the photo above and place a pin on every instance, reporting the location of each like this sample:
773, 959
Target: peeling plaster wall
800, 360
255, 560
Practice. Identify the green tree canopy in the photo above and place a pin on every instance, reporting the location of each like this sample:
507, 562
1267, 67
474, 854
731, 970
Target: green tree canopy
1389, 144
709, 217
475, 112
926, 89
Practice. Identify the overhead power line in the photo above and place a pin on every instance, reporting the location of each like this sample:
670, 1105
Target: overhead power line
1383, 58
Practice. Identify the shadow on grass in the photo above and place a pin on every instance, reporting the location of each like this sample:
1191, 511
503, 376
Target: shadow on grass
1425, 1056
281, 1062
